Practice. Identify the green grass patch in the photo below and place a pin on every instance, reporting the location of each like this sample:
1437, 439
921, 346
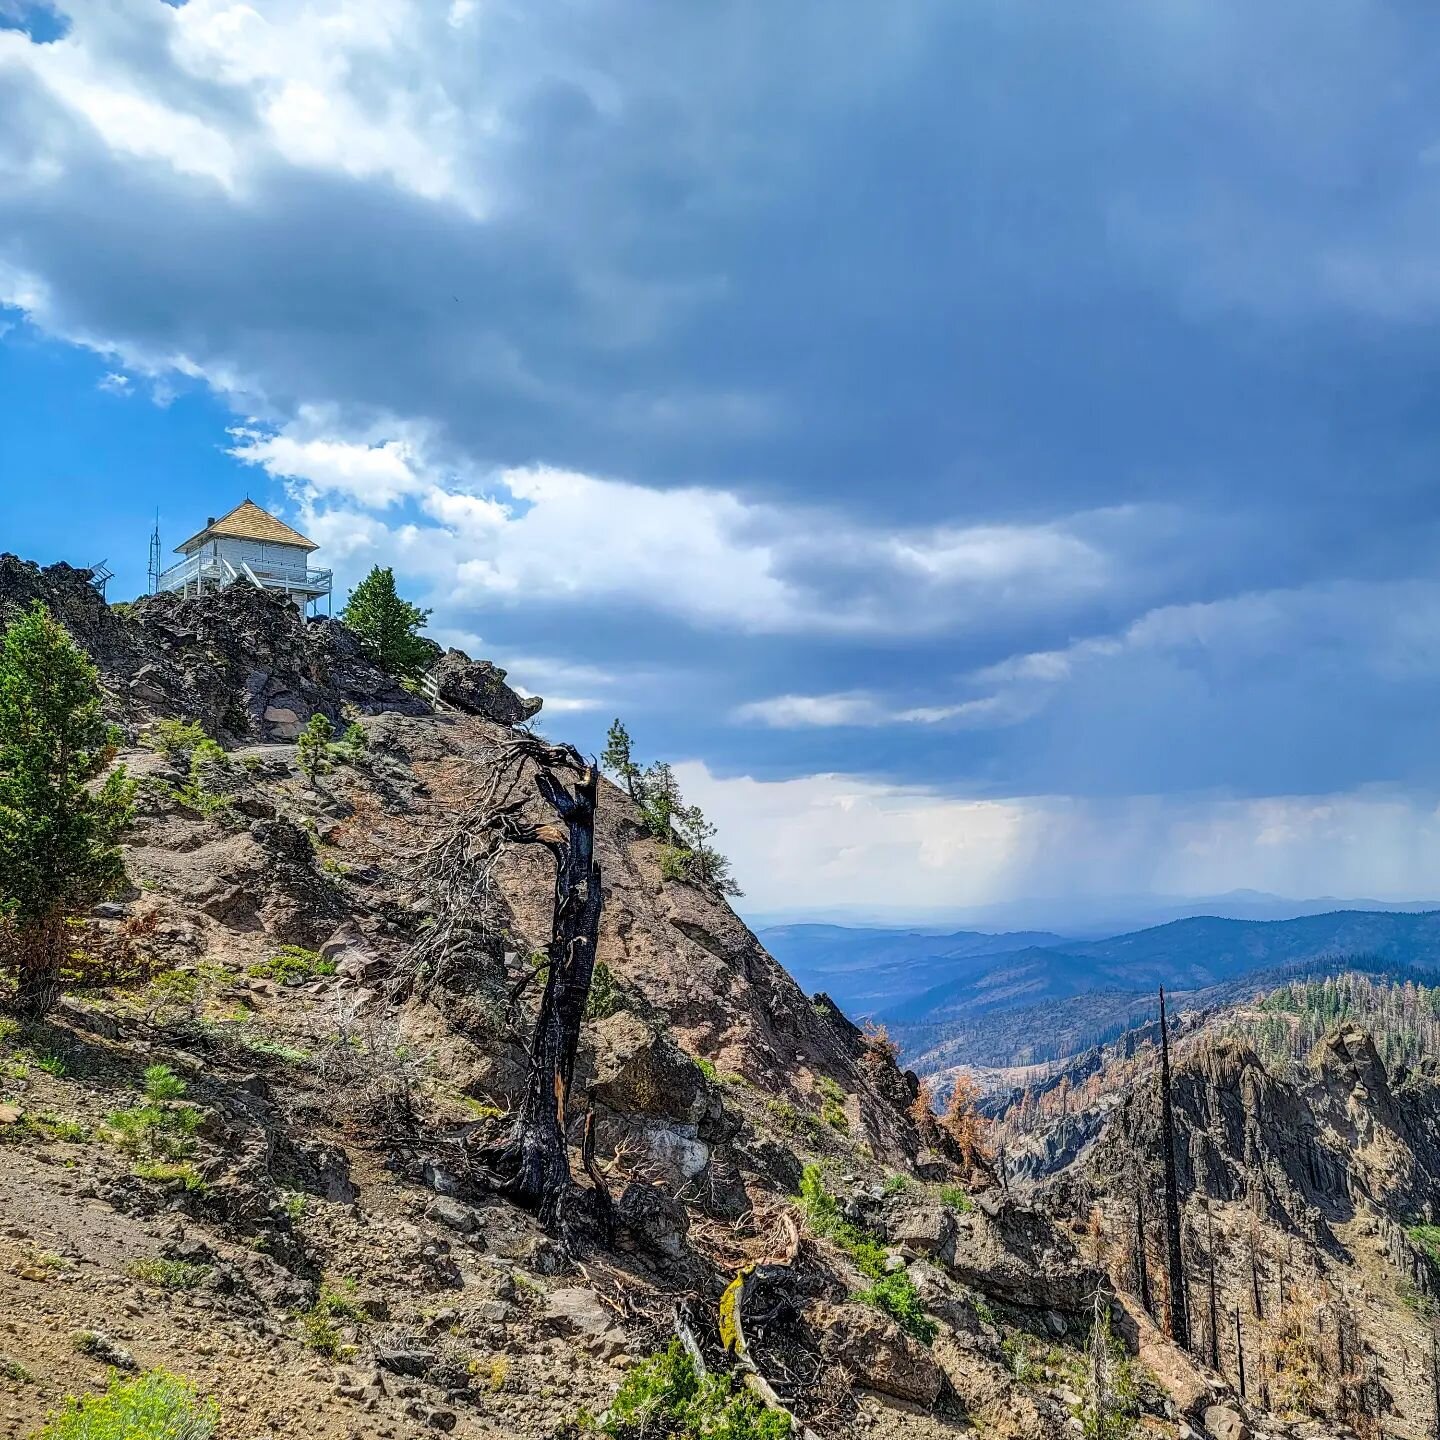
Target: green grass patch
897, 1297
292, 965
895, 1293
175, 1173
956, 1198
167, 1274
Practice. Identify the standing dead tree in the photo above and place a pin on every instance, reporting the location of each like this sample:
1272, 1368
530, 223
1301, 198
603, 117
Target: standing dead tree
1213, 1328
532, 1164
1174, 1258
1142, 1264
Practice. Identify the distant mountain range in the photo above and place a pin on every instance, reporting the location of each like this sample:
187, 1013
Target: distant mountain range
1081, 917
866, 971
938, 990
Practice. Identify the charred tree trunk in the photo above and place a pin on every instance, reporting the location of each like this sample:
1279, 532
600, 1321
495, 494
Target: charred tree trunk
533, 1166
1142, 1264
1174, 1259
1255, 1307
1435, 1378
1214, 1326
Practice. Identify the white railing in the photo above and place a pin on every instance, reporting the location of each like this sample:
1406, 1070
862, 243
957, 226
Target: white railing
219, 571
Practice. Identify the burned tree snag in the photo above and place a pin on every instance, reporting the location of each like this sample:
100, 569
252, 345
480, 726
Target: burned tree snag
1214, 1326
1255, 1306
532, 1166
1174, 1259
1142, 1264
1435, 1378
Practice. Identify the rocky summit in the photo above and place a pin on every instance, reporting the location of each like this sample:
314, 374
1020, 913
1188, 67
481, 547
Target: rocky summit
264, 1161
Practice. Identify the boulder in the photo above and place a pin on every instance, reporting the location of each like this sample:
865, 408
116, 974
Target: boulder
922, 1230
654, 1218
1017, 1255
1189, 1387
1225, 1424
877, 1353
633, 1069
579, 1313
349, 952
478, 688
455, 1214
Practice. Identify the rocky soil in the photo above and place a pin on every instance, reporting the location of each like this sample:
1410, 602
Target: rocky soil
294, 1220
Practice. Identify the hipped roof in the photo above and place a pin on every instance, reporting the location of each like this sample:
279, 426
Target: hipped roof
247, 521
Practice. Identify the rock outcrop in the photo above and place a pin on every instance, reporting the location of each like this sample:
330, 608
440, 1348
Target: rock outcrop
241, 661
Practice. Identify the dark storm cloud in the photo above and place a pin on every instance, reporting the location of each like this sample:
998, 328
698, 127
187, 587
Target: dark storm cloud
1159, 276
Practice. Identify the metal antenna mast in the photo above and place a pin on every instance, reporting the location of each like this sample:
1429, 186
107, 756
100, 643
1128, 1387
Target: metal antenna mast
155, 556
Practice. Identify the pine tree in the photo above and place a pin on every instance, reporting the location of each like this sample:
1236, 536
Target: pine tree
687, 849
1175, 1261
58, 838
388, 627
617, 758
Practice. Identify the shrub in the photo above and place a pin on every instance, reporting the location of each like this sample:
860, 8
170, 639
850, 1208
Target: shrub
175, 737
158, 1130
606, 996
59, 834
292, 965
832, 1104
208, 781
162, 1083
54, 1065
663, 1398
793, 1121
154, 1406
319, 1325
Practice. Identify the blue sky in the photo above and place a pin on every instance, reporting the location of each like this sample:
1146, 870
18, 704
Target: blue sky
992, 447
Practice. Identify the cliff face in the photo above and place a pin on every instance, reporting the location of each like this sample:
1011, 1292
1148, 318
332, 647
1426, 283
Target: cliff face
1302, 1191
305, 1234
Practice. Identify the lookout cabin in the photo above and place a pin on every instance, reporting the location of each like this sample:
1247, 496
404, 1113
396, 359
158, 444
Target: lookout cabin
249, 546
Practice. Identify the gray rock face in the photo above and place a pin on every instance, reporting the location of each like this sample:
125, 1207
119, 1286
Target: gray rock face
455, 1214
654, 1218
1017, 1255
478, 688
635, 1070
